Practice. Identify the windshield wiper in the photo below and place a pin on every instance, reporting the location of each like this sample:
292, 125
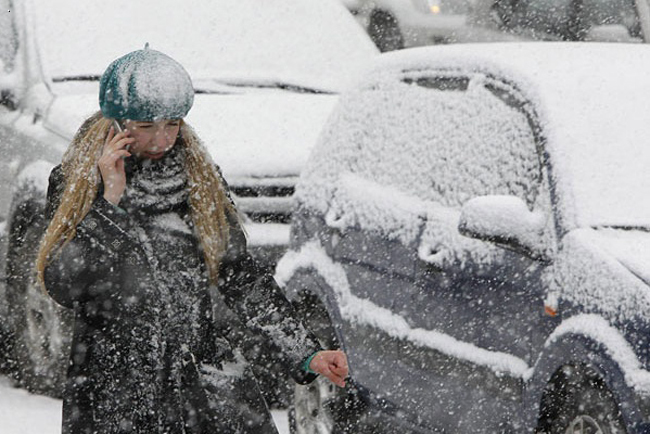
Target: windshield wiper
292, 88
93, 77
232, 84
89, 77
271, 84
626, 228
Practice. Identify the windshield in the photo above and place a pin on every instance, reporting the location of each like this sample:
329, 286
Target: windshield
300, 42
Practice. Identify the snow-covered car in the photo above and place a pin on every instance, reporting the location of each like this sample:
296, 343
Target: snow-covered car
557, 20
266, 76
395, 24
473, 229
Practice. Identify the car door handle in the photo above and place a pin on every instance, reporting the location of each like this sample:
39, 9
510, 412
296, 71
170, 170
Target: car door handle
336, 219
432, 255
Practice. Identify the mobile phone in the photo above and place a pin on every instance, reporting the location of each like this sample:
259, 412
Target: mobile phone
117, 126
119, 129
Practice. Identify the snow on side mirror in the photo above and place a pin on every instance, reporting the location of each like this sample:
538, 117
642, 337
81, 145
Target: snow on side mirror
504, 220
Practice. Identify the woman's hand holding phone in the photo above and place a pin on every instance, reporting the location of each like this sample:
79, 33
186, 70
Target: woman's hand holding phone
111, 163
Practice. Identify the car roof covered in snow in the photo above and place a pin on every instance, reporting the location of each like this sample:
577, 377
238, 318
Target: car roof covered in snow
592, 102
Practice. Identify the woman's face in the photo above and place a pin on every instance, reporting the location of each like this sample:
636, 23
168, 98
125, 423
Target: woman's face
152, 139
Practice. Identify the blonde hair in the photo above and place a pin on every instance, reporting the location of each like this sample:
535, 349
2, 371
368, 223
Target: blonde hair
209, 203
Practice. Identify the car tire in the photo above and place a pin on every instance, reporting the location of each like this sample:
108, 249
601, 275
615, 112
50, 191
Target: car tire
322, 407
578, 401
310, 413
384, 31
40, 329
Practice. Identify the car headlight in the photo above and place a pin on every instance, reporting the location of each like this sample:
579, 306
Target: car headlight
427, 6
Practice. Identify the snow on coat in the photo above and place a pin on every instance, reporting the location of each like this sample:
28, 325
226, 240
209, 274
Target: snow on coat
146, 356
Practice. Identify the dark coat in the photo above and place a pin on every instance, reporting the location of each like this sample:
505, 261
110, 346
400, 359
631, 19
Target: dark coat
122, 357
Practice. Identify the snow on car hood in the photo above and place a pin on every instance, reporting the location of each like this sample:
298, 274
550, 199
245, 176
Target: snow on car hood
267, 134
605, 270
262, 133
629, 247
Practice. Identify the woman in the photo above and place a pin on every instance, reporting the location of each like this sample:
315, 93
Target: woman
142, 227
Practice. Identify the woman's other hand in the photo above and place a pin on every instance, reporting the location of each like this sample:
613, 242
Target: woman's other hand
111, 164
331, 364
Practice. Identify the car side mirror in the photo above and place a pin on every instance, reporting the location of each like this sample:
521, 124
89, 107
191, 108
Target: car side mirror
504, 220
609, 33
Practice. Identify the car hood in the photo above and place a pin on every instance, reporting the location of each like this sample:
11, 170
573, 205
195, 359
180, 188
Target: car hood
255, 134
631, 248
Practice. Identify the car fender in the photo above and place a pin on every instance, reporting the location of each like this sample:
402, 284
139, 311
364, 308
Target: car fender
29, 194
591, 341
306, 270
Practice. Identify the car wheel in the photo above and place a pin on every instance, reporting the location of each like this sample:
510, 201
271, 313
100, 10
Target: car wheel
579, 402
384, 31
40, 329
321, 407
310, 413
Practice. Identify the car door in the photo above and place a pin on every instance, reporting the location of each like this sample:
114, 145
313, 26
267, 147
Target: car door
480, 303
377, 219
373, 236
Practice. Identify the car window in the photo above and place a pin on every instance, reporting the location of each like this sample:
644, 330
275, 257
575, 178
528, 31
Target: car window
545, 16
8, 36
607, 12
571, 19
442, 139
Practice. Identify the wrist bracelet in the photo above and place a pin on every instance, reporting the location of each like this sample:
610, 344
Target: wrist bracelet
307, 362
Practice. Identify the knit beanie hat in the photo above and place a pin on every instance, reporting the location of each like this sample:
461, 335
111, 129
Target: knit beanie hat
145, 85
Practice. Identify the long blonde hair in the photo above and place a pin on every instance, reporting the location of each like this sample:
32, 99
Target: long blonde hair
209, 203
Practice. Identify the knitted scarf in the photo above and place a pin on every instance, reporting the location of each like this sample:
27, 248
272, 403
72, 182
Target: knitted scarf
156, 197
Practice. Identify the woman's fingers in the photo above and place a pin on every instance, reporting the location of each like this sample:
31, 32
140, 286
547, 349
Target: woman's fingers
111, 164
117, 141
331, 364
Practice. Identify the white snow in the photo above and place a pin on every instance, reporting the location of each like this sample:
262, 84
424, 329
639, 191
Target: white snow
592, 271
503, 216
407, 136
160, 81
267, 234
595, 116
366, 204
36, 175
260, 133
289, 39
25, 413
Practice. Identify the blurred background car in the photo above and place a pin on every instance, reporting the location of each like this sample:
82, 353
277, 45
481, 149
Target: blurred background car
473, 229
396, 24
266, 77
557, 20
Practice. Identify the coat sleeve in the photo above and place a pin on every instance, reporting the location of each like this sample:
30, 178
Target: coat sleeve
254, 295
78, 271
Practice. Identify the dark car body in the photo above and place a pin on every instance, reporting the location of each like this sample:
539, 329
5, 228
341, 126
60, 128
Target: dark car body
473, 229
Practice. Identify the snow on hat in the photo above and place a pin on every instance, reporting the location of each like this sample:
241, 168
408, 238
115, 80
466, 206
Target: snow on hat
145, 85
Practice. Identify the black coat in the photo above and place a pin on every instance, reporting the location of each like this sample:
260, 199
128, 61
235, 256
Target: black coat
122, 356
